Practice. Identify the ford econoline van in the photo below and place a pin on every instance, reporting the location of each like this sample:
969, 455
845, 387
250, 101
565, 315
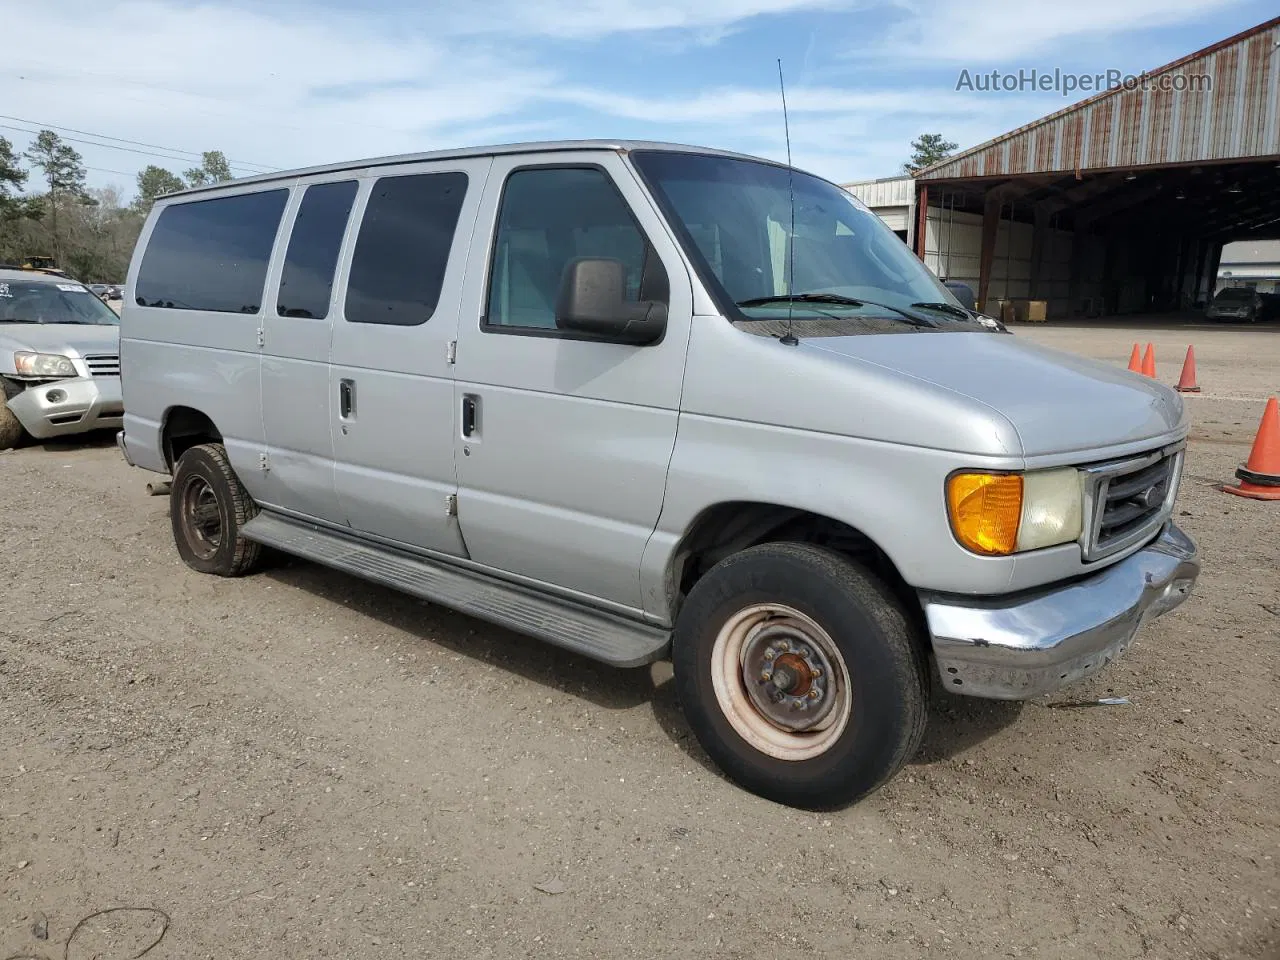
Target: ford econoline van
648, 401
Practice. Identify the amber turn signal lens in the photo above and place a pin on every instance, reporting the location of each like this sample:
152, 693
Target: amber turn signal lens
985, 510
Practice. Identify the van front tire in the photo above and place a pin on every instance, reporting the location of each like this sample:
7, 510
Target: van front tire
800, 675
208, 507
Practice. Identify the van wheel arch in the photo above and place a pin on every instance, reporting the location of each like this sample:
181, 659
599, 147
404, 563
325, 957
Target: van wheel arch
728, 528
184, 428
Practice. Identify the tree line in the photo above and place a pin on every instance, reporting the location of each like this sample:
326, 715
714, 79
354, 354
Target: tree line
90, 233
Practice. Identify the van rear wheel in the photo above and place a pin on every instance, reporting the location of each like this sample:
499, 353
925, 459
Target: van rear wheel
208, 507
800, 675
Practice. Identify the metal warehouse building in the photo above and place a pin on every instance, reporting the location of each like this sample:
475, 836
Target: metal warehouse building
1118, 204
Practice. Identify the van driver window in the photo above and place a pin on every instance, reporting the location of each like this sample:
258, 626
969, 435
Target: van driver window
548, 218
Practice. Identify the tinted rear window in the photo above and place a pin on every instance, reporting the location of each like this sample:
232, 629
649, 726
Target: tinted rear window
211, 254
307, 280
403, 248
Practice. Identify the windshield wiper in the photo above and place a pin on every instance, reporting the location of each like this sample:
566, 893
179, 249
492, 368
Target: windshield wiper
838, 300
945, 308
802, 298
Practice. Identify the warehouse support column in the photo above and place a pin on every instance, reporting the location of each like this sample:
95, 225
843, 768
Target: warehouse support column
990, 226
1075, 268
1202, 254
922, 218
1039, 237
1211, 270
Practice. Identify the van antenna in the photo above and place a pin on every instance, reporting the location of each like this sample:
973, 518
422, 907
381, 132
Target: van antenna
790, 339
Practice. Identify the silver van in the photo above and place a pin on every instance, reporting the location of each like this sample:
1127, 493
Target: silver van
648, 401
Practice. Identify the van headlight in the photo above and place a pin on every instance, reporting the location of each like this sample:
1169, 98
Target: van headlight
1002, 513
43, 365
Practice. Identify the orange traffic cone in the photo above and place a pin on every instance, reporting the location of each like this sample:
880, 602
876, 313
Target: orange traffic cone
1187, 382
1135, 360
1260, 476
1149, 362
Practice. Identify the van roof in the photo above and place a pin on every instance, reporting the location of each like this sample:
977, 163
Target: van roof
549, 146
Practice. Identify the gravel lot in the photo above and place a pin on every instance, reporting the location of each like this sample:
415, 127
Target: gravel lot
298, 764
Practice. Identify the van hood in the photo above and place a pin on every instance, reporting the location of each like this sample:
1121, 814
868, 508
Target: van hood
67, 339
1055, 402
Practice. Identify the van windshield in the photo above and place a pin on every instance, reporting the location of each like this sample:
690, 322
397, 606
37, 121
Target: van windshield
736, 216
42, 301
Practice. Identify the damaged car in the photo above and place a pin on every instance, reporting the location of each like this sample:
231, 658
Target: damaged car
59, 359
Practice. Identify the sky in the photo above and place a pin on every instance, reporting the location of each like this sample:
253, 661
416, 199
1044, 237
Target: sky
277, 85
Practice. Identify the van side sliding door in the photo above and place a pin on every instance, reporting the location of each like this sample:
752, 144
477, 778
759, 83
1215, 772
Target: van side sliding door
391, 394
300, 309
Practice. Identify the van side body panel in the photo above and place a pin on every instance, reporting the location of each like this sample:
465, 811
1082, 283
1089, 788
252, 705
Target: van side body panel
206, 360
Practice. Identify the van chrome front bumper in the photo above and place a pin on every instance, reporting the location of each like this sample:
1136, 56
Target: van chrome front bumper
1017, 649
56, 408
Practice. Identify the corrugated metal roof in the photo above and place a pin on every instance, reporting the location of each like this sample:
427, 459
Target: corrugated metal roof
1244, 251
886, 192
1237, 117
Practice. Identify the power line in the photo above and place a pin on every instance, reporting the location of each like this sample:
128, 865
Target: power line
108, 146
239, 164
111, 146
105, 170
137, 143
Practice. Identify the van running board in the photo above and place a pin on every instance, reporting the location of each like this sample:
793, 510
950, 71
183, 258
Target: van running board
592, 633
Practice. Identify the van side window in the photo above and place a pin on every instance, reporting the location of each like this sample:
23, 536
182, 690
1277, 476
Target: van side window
403, 249
550, 216
307, 281
211, 254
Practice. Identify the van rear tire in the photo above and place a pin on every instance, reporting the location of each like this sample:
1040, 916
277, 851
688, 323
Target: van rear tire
800, 675
208, 507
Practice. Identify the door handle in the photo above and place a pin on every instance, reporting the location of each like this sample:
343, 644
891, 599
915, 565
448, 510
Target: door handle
470, 414
346, 399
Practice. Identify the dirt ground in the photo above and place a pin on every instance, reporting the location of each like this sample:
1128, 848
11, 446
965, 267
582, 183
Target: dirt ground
298, 764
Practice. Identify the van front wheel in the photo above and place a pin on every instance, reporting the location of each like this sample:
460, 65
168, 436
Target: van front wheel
800, 675
208, 507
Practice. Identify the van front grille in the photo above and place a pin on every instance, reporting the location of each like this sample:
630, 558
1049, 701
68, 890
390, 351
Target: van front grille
103, 365
1130, 500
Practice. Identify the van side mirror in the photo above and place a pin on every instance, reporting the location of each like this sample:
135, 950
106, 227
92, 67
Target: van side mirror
962, 292
593, 299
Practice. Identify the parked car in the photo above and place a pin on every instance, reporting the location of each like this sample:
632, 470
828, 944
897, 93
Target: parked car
592, 392
59, 358
1235, 303
113, 291
99, 290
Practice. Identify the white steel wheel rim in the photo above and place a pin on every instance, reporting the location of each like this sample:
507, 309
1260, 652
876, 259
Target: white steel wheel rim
732, 668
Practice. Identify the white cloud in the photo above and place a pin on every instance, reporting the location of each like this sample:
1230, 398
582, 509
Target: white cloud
275, 90
290, 85
578, 19
993, 31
